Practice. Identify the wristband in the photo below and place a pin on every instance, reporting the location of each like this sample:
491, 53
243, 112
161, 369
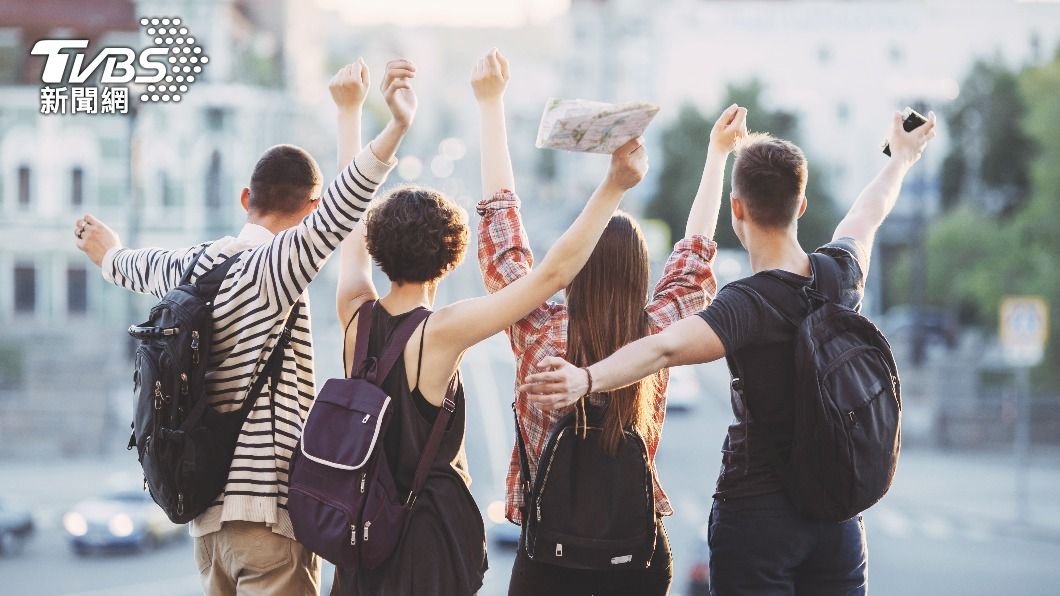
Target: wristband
589, 388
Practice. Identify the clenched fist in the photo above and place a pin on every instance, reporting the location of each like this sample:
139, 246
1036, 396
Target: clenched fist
490, 76
730, 127
95, 238
350, 85
629, 164
909, 145
398, 92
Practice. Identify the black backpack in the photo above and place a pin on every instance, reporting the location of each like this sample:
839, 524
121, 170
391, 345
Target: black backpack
848, 405
185, 446
588, 509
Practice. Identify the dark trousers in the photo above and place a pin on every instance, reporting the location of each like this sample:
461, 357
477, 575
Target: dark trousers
532, 578
761, 546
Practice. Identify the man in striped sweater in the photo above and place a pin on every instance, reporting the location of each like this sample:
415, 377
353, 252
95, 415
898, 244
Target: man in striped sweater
244, 542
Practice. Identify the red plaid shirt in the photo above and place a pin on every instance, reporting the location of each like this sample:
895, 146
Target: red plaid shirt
504, 256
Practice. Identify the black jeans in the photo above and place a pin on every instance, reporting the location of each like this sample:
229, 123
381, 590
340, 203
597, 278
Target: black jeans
762, 546
532, 578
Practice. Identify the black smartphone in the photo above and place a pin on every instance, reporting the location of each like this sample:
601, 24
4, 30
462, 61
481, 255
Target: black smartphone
911, 119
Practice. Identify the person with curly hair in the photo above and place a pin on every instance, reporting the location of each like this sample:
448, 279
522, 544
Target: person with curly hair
417, 236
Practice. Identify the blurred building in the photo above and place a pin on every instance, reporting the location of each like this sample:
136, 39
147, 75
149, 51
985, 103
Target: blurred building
165, 175
170, 175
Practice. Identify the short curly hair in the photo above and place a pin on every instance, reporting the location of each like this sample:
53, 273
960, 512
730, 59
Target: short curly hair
416, 235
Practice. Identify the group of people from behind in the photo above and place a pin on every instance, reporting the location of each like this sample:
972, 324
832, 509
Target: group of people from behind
606, 347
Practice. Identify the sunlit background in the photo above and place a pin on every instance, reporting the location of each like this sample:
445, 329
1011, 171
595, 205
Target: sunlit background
976, 504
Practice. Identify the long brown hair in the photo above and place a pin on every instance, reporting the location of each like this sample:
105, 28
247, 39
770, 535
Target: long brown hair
605, 302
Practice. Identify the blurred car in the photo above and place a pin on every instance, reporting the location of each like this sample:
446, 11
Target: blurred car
684, 391
125, 519
16, 526
938, 327
499, 530
699, 572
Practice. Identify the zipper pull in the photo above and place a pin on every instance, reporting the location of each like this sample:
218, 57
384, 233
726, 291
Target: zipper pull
367, 524
158, 395
183, 383
365, 419
180, 503
194, 347
353, 534
364, 479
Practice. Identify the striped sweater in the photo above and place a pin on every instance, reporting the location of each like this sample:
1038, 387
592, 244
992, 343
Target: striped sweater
252, 304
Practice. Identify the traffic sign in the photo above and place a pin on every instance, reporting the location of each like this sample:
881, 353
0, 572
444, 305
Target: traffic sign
1024, 322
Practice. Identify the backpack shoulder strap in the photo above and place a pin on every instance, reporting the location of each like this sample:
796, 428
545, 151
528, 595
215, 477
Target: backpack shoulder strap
434, 440
826, 275
778, 294
524, 459
375, 369
186, 276
208, 283
364, 327
273, 366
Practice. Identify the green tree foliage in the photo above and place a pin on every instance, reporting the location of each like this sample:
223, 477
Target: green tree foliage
989, 156
684, 150
979, 256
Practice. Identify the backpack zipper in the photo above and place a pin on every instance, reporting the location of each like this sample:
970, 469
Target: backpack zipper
364, 479
548, 469
353, 534
194, 347
366, 418
367, 524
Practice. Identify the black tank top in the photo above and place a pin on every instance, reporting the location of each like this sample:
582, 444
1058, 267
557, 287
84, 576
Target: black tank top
443, 549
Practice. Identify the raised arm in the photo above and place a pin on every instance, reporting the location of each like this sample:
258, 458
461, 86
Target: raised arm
560, 384
488, 80
687, 282
295, 256
875, 202
470, 321
730, 127
349, 87
504, 253
147, 270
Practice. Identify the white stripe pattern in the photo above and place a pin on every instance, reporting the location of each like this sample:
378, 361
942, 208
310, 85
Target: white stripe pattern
252, 304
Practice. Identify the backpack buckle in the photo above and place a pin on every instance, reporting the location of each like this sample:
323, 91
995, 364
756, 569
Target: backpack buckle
736, 384
449, 405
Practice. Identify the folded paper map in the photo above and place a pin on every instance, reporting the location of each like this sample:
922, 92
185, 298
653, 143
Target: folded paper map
592, 126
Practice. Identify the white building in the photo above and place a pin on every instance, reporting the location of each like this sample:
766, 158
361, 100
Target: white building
170, 175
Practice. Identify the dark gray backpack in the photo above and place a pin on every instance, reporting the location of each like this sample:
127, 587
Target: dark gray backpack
588, 509
848, 405
185, 446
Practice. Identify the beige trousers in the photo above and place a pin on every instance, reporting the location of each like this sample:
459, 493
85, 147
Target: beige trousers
249, 559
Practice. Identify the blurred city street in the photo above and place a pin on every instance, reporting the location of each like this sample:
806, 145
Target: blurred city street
975, 507
945, 528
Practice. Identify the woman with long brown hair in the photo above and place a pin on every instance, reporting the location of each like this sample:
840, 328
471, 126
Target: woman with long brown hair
607, 306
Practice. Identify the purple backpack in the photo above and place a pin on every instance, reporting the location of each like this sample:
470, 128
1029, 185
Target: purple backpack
343, 501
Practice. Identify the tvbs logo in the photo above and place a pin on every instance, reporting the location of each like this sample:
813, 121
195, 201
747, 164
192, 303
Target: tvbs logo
162, 71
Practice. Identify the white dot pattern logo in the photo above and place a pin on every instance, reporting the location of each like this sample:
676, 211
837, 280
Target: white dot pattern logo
184, 57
